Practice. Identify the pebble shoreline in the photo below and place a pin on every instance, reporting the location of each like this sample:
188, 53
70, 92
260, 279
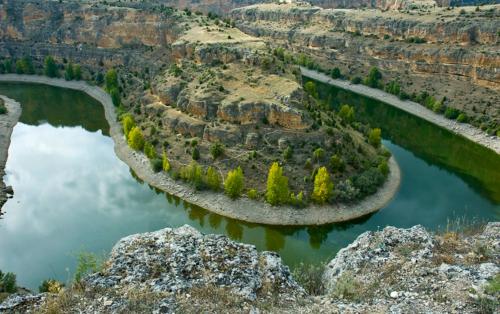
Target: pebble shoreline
243, 208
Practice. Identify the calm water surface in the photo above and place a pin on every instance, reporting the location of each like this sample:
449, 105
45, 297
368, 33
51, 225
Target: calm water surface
73, 194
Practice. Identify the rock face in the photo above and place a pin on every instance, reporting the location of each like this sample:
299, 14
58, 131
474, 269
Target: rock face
389, 271
410, 270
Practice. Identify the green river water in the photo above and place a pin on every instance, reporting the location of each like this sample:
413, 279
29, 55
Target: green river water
73, 194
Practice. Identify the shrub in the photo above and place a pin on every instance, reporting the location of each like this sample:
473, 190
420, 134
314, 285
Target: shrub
234, 184
335, 73
319, 154
288, 153
346, 113
7, 282
356, 80
165, 162
308, 164
368, 181
136, 139
323, 186
115, 96
347, 287
78, 72
297, 200
69, 74
216, 150
156, 164
149, 150
50, 286
277, 186
253, 194
195, 154
336, 163
383, 168
375, 137
310, 277
393, 88
310, 88
3, 109
212, 179
50, 67
111, 80
193, 174
87, 263
8, 66
373, 78
462, 117
451, 113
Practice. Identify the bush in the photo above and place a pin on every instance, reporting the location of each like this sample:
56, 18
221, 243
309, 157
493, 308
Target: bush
346, 113
297, 200
156, 164
111, 80
127, 123
252, 194
335, 73
136, 139
195, 154
336, 164
25, 66
234, 184
373, 78
356, 80
393, 88
277, 186
347, 287
115, 96
310, 88
451, 113
288, 153
87, 263
8, 282
165, 162
375, 137
323, 186
69, 74
50, 286
78, 72
319, 154
149, 150
383, 168
50, 67
216, 150
462, 117
369, 181
310, 277
3, 109
193, 174
212, 179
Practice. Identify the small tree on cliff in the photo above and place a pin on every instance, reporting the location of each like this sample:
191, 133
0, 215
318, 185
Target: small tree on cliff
234, 184
128, 123
277, 186
323, 186
375, 137
50, 67
111, 80
136, 139
373, 78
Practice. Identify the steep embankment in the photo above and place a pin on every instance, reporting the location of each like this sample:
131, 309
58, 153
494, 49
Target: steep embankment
182, 271
451, 54
7, 123
415, 109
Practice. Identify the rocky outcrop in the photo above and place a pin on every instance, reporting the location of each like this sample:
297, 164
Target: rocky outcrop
389, 271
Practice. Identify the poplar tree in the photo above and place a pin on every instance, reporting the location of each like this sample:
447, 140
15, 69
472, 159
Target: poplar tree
277, 186
233, 186
323, 186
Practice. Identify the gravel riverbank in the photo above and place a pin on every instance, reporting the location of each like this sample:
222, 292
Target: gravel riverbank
242, 209
7, 123
466, 130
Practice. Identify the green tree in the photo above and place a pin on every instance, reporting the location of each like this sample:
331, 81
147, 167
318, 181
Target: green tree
136, 139
375, 137
19, 67
149, 150
25, 66
234, 184
288, 153
50, 67
323, 186
78, 72
127, 123
216, 150
115, 96
373, 78
111, 80
8, 66
336, 163
253, 194
277, 186
346, 113
69, 74
165, 162
383, 168
311, 89
212, 179
193, 173
8, 282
